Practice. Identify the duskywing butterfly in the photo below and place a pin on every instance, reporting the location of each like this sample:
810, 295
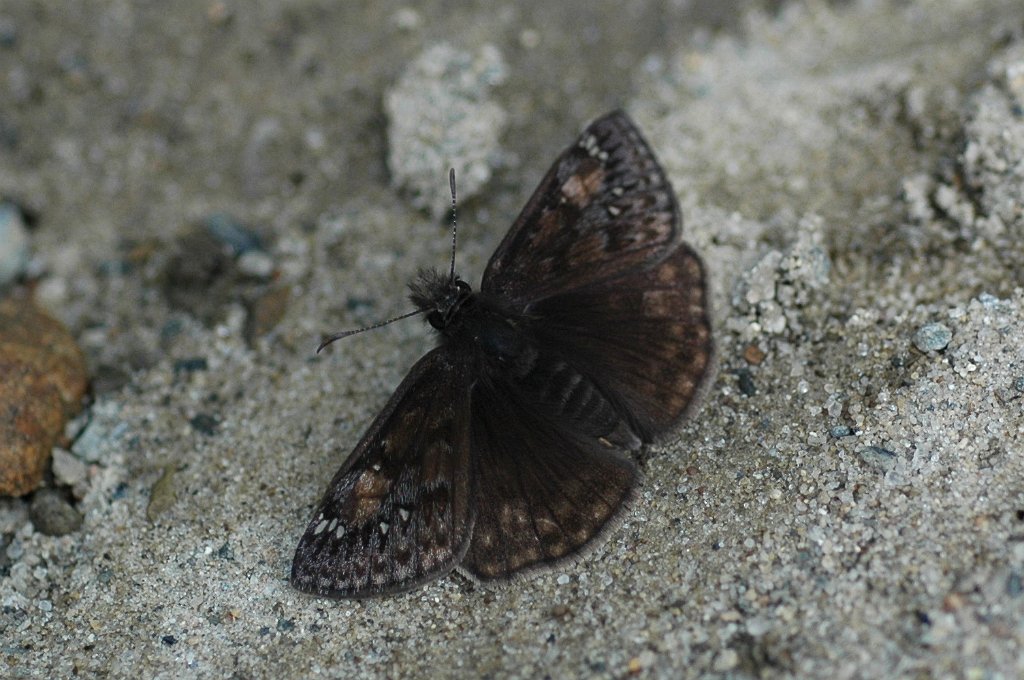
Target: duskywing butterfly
508, 447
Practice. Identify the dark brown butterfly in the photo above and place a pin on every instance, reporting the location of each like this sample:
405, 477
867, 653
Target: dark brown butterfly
508, 447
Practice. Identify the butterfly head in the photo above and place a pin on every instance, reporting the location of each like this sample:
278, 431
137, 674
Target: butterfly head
439, 295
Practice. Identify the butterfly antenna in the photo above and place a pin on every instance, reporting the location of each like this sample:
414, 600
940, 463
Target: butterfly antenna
451, 183
344, 334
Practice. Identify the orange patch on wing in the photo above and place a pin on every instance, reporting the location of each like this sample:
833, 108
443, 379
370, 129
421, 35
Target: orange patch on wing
581, 187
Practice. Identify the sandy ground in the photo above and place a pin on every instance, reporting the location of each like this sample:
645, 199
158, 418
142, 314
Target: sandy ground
849, 502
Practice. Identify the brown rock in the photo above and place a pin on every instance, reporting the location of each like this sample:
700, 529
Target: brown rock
265, 312
42, 380
754, 355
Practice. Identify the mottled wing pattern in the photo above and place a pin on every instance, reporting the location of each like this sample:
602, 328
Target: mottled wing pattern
543, 490
509, 449
399, 512
616, 309
643, 338
604, 208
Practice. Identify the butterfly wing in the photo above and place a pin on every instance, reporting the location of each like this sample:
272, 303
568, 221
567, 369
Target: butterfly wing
619, 342
595, 265
543, 490
643, 339
398, 513
604, 208
612, 364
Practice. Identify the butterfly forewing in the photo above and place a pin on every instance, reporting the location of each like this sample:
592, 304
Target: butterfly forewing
399, 511
604, 208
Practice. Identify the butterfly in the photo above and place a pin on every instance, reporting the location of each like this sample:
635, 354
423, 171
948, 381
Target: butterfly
510, 446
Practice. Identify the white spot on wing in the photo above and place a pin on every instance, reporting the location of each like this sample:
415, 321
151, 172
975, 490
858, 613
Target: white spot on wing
589, 143
384, 526
320, 527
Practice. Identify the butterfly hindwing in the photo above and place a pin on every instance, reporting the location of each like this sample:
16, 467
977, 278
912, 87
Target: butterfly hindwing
604, 208
643, 338
608, 366
542, 490
399, 511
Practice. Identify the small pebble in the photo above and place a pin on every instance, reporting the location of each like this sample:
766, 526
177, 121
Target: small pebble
163, 494
232, 233
406, 19
529, 39
204, 423
932, 337
225, 552
109, 378
8, 33
190, 364
560, 611
840, 431
14, 251
256, 264
1014, 584
990, 301
171, 330
637, 664
15, 550
726, 660
219, 14
67, 469
753, 355
878, 458
102, 435
746, 382
265, 312
9, 137
197, 277
758, 626
52, 515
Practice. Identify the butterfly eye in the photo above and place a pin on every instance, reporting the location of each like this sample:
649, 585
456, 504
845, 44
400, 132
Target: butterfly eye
463, 288
436, 319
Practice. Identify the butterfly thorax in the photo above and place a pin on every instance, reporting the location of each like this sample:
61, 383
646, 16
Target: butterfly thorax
474, 321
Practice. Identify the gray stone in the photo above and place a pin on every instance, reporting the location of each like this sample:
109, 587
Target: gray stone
52, 515
932, 337
14, 250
